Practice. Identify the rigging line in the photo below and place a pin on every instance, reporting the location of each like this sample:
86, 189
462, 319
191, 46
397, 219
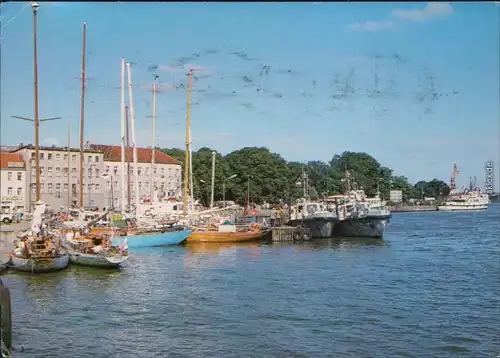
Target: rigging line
14, 17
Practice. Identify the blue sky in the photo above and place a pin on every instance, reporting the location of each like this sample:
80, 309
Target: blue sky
415, 85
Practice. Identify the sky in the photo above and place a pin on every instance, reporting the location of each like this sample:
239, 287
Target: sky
415, 85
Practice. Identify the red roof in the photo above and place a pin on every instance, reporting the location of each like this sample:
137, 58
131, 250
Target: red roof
112, 153
7, 158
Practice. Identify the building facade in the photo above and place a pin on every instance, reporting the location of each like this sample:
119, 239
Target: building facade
60, 176
13, 181
164, 175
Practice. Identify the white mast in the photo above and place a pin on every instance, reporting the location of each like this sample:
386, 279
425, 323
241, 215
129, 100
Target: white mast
213, 180
191, 167
132, 126
122, 142
153, 142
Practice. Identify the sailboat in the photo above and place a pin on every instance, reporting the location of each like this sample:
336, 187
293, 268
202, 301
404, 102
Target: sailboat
173, 236
40, 251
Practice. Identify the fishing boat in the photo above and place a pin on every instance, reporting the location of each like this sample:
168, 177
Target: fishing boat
95, 251
41, 251
225, 233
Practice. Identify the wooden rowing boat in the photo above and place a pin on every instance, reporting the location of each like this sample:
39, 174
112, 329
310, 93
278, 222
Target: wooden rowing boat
224, 233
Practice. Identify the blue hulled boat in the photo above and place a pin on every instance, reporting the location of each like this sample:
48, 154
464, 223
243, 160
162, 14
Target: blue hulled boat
152, 240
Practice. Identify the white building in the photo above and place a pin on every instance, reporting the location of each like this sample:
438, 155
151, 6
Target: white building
396, 196
165, 174
12, 183
60, 176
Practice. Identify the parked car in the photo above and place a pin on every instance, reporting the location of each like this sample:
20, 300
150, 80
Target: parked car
6, 218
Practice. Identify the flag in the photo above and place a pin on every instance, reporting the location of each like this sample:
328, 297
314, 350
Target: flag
123, 246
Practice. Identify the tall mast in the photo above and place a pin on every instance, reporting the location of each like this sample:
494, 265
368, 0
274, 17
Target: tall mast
153, 142
122, 142
213, 181
132, 127
188, 145
35, 6
82, 113
69, 169
127, 156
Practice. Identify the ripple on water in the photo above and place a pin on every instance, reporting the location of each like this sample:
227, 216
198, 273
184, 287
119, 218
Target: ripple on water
430, 289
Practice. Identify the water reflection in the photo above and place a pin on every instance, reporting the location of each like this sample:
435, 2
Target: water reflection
333, 243
203, 248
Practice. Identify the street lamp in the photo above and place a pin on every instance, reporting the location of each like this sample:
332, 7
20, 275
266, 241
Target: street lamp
224, 188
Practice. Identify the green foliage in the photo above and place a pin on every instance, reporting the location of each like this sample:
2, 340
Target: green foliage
272, 179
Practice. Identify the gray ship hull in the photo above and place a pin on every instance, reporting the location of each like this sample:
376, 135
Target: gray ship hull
319, 227
361, 227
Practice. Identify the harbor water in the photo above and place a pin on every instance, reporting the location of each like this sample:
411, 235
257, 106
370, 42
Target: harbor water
431, 288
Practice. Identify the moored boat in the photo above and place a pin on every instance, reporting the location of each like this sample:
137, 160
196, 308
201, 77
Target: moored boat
225, 233
41, 250
96, 251
175, 236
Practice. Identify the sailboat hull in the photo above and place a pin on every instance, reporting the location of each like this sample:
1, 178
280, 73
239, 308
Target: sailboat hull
40, 264
101, 261
153, 240
214, 236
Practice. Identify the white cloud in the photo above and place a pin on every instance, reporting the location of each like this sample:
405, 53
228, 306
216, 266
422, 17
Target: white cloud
371, 26
431, 11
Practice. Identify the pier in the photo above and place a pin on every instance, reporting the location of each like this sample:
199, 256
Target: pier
288, 233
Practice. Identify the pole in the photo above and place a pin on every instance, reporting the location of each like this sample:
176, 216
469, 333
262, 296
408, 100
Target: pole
224, 193
127, 156
82, 113
69, 168
153, 141
132, 127
122, 120
188, 138
213, 180
35, 6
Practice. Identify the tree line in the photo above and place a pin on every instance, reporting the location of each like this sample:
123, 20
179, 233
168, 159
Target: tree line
273, 179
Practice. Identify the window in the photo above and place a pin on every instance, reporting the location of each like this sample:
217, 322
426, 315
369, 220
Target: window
42, 187
58, 171
97, 159
115, 170
89, 159
147, 185
33, 170
58, 156
147, 170
49, 171
170, 170
115, 184
41, 155
58, 187
90, 172
19, 176
66, 171
19, 191
163, 170
9, 175
73, 170
116, 201
32, 155
33, 188
89, 187
107, 169
73, 188
9, 191
73, 157
97, 187
65, 157
50, 188
49, 156
97, 173
65, 187
154, 170
41, 171
140, 186
139, 171
108, 184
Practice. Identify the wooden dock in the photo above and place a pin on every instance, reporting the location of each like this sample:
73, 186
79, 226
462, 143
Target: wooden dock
288, 233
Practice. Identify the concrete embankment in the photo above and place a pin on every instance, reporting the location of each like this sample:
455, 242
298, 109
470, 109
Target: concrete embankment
412, 208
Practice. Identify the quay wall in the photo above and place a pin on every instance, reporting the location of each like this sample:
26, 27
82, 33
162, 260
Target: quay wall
411, 208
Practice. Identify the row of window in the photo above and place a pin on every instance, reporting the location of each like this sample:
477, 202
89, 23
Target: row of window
10, 191
19, 176
65, 157
97, 187
96, 172
139, 170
